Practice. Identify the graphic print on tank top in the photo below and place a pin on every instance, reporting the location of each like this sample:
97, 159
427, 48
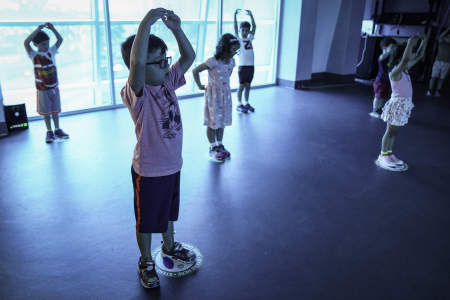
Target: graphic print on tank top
45, 72
171, 118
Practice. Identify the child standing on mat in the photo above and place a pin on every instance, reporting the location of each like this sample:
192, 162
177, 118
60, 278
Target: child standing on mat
218, 104
150, 97
397, 110
246, 59
441, 65
48, 100
381, 85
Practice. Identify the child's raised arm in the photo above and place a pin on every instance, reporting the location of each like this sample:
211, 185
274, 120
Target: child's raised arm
417, 56
138, 56
195, 73
236, 30
56, 33
253, 22
173, 22
29, 38
398, 69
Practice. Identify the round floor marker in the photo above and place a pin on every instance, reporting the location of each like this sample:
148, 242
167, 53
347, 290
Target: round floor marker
169, 267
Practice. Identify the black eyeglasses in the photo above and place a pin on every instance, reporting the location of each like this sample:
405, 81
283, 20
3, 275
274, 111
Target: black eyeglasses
163, 63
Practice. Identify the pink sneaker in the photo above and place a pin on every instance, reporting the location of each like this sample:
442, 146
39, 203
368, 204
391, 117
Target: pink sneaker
436, 94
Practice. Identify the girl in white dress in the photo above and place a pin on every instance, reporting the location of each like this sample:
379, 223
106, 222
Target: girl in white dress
218, 105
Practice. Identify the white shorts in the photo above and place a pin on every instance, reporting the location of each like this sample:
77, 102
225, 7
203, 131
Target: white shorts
48, 102
440, 69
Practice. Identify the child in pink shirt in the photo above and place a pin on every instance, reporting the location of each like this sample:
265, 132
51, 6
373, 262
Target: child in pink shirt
150, 97
397, 110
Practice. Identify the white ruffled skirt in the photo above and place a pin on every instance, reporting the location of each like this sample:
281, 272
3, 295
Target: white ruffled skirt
397, 111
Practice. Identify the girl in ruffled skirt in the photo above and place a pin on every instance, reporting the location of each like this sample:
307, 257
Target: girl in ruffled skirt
397, 110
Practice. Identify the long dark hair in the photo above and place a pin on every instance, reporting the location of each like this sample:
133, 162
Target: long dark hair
223, 48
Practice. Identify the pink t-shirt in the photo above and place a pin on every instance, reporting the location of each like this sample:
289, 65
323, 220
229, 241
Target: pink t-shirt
159, 131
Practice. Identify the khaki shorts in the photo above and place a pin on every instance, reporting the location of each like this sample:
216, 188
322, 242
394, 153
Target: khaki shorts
440, 69
48, 102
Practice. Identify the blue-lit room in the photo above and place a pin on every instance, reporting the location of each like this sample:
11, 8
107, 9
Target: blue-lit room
225, 149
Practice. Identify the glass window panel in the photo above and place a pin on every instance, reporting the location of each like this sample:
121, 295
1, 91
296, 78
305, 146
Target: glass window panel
198, 21
41, 10
265, 13
81, 63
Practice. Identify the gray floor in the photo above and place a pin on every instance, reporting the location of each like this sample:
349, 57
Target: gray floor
300, 211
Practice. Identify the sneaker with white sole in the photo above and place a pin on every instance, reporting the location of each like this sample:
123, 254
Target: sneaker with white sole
248, 107
396, 160
241, 108
216, 155
59, 133
429, 94
148, 277
180, 253
374, 114
225, 152
50, 137
386, 162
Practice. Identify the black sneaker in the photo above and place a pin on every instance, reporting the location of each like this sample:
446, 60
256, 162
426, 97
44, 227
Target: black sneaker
61, 134
241, 108
50, 137
225, 152
148, 277
248, 107
180, 253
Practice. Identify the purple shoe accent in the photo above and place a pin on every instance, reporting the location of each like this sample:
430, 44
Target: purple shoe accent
225, 152
168, 263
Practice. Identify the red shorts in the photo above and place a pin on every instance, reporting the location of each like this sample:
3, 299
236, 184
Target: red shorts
382, 90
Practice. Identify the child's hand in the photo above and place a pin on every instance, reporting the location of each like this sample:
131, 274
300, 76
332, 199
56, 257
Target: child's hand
155, 14
249, 12
171, 20
41, 26
49, 25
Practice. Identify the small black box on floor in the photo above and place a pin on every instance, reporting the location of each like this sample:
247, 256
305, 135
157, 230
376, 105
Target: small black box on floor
16, 116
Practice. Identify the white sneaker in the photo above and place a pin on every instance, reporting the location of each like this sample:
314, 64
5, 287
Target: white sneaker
396, 160
375, 114
386, 162
429, 93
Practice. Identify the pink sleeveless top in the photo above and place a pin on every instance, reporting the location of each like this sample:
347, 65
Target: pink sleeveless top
402, 88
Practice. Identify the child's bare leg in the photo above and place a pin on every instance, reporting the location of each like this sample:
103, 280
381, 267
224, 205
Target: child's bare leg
388, 138
144, 241
168, 237
377, 103
247, 91
219, 135
211, 134
432, 84
48, 124
239, 94
439, 84
56, 120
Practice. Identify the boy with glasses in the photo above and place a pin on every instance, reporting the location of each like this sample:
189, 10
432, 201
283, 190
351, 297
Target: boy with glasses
150, 97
